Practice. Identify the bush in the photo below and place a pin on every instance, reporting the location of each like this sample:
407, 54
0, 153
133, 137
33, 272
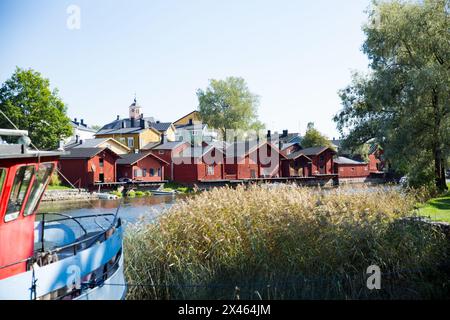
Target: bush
117, 193
131, 194
139, 194
54, 180
285, 243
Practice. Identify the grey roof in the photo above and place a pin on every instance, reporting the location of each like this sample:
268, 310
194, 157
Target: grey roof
314, 151
287, 145
80, 126
82, 153
308, 152
170, 145
118, 124
132, 158
120, 131
344, 160
161, 126
150, 145
295, 155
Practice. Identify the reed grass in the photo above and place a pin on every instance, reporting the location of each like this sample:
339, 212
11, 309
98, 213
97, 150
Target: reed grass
286, 243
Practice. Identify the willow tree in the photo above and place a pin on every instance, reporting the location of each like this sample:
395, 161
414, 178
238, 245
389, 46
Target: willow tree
403, 102
229, 105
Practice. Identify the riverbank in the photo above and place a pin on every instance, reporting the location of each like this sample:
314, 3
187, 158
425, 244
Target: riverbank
437, 209
66, 194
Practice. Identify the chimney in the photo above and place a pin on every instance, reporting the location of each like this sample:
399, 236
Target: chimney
132, 120
163, 138
77, 137
118, 117
81, 141
142, 123
285, 133
75, 121
124, 124
82, 122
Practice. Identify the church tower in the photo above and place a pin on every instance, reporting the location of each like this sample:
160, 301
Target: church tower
135, 110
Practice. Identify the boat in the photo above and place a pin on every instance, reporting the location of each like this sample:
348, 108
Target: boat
163, 193
51, 256
107, 196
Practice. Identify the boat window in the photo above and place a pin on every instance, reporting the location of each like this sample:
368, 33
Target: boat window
2, 179
19, 190
42, 177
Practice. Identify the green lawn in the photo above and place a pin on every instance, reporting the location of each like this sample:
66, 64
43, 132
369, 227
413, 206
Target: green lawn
438, 209
57, 188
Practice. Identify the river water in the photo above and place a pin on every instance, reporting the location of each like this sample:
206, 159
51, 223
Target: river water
131, 210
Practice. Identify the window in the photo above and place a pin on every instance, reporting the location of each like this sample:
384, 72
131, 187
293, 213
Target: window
43, 175
101, 162
18, 192
152, 172
131, 142
144, 172
137, 173
159, 172
122, 140
210, 170
321, 158
161, 152
353, 169
2, 179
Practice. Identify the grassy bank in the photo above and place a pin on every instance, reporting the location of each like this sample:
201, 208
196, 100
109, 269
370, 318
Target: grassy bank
437, 209
285, 243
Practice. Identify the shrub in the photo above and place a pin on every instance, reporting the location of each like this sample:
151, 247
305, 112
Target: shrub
139, 194
54, 180
117, 193
285, 243
131, 194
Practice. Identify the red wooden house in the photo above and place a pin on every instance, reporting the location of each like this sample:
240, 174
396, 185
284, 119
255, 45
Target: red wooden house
310, 162
85, 166
348, 168
252, 160
167, 151
142, 166
197, 164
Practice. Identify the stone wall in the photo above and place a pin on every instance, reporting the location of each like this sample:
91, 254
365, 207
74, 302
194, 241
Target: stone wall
68, 194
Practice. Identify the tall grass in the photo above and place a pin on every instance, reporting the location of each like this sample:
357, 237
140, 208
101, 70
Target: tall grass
285, 243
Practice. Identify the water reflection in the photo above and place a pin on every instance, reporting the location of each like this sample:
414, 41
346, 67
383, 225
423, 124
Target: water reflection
131, 209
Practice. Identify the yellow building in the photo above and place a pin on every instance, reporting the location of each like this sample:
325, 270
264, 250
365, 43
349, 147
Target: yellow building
189, 119
138, 132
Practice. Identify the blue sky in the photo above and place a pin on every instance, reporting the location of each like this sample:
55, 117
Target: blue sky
295, 54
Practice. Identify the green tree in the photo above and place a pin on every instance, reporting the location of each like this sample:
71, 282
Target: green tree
29, 103
229, 104
313, 138
404, 101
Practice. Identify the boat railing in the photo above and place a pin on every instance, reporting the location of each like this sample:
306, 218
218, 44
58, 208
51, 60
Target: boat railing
89, 241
